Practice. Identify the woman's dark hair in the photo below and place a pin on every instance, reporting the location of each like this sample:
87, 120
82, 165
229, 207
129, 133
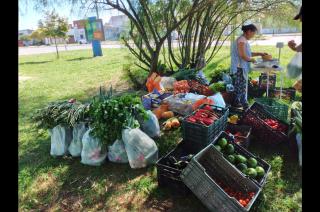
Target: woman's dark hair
249, 27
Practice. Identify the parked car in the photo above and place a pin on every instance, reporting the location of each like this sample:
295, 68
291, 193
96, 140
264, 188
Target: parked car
83, 41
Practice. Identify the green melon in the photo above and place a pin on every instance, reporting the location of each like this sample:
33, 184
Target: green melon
252, 163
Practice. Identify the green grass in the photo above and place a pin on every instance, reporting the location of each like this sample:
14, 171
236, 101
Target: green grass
63, 183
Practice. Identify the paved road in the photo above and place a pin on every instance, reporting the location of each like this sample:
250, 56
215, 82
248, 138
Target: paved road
270, 40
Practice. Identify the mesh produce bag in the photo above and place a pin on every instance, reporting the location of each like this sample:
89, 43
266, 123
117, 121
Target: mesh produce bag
76, 143
60, 139
117, 153
93, 153
140, 148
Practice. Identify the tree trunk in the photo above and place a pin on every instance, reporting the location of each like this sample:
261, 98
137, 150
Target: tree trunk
55, 42
154, 60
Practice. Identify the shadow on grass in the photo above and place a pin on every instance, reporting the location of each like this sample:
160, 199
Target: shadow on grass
34, 63
165, 199
79, 58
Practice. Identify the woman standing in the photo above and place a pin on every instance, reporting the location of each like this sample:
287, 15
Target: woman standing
241, 57
297, 48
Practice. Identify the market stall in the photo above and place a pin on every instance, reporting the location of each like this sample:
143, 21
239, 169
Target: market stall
214, 142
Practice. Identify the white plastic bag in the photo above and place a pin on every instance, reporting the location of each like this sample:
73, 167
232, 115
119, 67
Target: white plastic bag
294, 68
117, 153
76, 143
218, 100
93, 153
193, 97
178, 104
140, 148
167, 83
151, 126
60, 140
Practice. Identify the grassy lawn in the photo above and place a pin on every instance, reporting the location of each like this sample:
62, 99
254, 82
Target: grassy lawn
64, 184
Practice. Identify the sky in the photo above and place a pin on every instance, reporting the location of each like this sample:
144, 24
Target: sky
29, 17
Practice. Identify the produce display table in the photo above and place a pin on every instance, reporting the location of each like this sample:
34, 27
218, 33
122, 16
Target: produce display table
268, 68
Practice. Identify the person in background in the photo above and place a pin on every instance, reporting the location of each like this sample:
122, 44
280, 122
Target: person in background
292, 45
241, 58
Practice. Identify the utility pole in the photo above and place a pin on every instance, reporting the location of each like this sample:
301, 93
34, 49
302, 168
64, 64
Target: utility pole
96, 6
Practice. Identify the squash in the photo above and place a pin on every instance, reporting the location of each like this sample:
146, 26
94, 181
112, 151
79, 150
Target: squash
167, 114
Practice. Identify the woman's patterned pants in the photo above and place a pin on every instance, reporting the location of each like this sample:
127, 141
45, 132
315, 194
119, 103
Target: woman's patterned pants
240, 87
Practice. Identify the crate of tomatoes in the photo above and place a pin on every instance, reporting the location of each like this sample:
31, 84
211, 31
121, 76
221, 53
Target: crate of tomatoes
218, 184
241, 134
170, 166
265, 126
204, 124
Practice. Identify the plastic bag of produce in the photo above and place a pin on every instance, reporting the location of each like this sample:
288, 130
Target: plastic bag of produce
218, 100
193, 97
151, 126
93, 153
153, 82
76, 143
294, 68
140, 148
299, 143
60, 140
202, 78
167, 83
178, 104
117, 153
226, 78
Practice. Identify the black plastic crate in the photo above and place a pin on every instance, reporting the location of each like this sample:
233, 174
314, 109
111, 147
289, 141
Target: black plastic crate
198, 135
255, 92
263, 78
240, 150
255, 116
287, 93
206, 173
244, 139
169, 176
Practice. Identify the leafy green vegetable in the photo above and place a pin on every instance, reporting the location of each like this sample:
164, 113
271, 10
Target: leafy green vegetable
60, 112
110, 114
218, 87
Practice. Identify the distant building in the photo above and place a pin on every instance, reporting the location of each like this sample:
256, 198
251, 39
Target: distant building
22, 33
25, 32
115, 26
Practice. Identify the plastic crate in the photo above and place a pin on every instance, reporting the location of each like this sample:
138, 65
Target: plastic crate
169, 176
200, 135
240, 150
244, 140
255, 92
147, 101
254, 117
287, 93
263, 78
206, 170
274, 107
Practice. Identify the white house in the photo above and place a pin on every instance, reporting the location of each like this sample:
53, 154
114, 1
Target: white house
115, 26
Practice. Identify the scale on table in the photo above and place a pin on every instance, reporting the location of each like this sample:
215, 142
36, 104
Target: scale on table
270, 66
